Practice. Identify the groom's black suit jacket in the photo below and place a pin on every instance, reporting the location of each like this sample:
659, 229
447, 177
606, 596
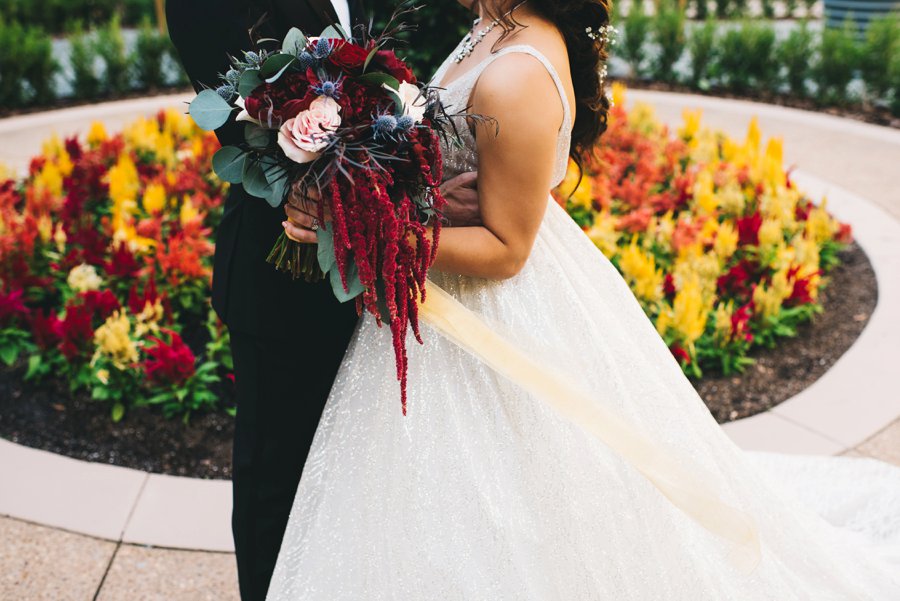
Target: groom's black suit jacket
249, 294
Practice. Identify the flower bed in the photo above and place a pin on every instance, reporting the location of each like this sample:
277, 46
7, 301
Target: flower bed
106, 253
105, 264
721, 249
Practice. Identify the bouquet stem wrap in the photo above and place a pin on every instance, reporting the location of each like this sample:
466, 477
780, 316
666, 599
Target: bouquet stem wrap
677, 479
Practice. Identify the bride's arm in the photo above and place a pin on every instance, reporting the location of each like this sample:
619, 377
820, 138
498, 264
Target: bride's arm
515, 169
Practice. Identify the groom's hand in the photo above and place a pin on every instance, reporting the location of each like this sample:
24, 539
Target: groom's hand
302, 210
461, 193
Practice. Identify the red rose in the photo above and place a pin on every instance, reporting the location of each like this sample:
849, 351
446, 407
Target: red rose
394, 66
277, 102
348, 56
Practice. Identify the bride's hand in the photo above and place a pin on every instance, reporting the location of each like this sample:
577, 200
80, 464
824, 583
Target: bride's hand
302, 212
462, 208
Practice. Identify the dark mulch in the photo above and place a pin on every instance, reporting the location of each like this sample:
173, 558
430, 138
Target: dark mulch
48, 417
782, 372
867, 113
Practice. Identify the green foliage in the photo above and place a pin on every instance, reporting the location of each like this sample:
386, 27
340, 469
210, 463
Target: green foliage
438, 28
111, 48
55, 16
790, 7
702, 47
894, 72
637, 28
26, 58
150, 51
701, 10
768, 9
881, 45
745, 57
668, 32
723, 8
85, 82
810, 5
837, 63
794, 53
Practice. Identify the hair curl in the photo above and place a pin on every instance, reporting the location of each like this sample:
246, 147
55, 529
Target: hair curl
587, 57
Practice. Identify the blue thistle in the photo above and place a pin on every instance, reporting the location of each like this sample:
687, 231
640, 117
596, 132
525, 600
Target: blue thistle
406, 123
327, 87
226, 91
252, 58
233, 76
385, 126
322, 49
306, 60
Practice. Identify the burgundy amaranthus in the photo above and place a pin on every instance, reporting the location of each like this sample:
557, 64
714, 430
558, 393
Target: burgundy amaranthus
376, 226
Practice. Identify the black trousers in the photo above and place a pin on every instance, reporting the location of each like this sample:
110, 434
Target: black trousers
282, 387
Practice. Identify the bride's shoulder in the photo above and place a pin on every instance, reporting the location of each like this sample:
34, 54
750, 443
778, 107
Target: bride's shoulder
516, 82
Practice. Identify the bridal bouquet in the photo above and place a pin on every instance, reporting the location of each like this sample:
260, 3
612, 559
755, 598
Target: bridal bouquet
347, 119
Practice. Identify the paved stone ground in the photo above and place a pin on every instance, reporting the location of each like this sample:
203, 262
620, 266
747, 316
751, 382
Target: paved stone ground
40, 563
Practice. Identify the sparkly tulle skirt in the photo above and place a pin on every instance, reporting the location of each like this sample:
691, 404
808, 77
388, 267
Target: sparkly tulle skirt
484, 493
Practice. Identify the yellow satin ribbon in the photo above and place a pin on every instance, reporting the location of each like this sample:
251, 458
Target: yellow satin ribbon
681, 484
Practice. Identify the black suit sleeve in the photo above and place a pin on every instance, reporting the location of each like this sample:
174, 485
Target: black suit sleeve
205, 33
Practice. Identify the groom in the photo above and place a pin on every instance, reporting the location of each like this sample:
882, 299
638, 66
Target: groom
287, 337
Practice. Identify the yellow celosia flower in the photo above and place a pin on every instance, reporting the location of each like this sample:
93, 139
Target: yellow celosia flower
6, 172
147, 321
643, 118
689, 311
691, 124
820, 226
732, 199
604, 234
45, 227
693, 262
705, 199
766, 301
618, 94
96, 135
770, 233
103, 376
84, 278
726, 242
664, 228
754, 137
188, 211
722, 319
59, 238
49, 180
113, 340
154, 199
639, 269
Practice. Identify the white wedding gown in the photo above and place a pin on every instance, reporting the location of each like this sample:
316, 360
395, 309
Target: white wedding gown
484, 493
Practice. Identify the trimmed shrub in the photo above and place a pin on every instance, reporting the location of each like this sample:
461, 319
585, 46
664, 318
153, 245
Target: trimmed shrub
668, 32
39, 65
27, 67
702, 48
637, 27
85, 81
149, 52
111, 48
56, 16
745, 58
837, 62
881, 45
793, 54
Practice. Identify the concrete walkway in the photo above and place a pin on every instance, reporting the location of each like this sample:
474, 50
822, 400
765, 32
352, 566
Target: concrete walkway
40, 562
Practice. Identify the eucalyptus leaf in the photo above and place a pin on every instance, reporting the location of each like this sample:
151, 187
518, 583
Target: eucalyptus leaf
228, 163
325, 251
355, 287
256, 136
254, 179
334, 31
250, 80
275, 66
379, 79
209, 110
294, 42
278, 183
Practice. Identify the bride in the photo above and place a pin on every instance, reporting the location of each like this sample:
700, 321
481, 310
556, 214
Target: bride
484, 493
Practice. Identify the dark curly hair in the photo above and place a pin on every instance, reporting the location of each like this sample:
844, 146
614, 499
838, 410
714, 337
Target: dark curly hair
587, 60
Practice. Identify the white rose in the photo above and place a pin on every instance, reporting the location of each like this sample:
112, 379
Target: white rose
414, 103
304, 137
244, 115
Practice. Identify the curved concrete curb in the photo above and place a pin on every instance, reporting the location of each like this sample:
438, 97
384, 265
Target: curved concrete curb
853, 400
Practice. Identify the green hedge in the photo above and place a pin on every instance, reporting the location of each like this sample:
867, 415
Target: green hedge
56, 16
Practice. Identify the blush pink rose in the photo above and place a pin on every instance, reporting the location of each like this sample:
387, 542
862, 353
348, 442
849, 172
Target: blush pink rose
303, 137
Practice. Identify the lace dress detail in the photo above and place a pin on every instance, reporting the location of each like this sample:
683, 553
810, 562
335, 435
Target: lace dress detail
483, 493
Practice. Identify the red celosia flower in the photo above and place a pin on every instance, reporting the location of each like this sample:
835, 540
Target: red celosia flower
77, 331
740, 322
636, 221
47, 329
12, 306
748, 229
122, 263
738, 280
669, 286
169, 364
682, 355
101, 303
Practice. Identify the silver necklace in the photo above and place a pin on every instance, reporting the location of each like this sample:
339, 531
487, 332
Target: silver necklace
472, 39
